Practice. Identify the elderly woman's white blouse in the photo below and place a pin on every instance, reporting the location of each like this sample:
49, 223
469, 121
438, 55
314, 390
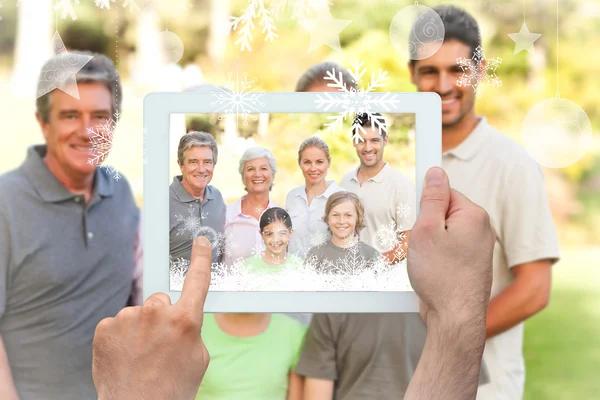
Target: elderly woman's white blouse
242, 234
307, 221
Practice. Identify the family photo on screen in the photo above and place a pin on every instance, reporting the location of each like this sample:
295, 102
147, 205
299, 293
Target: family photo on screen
325, 234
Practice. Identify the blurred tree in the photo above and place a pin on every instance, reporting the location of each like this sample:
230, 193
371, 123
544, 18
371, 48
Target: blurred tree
33, 44
220, 11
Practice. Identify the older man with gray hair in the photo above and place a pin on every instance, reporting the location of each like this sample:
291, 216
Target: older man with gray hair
196, 208
69, 240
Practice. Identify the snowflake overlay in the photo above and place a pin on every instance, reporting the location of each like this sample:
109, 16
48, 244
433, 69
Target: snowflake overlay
318, 238
403, 210
191, 223
238, 97
102, 140
389, 236
267, 12
479, 72
356, 101
66, 8
352, 274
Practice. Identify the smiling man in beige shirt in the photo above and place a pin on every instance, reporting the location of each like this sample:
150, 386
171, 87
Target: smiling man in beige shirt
501, 177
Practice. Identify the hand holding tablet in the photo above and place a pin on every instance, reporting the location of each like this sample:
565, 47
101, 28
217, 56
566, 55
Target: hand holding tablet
157, 347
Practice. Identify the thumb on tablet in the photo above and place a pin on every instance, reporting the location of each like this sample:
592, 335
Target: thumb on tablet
435, 199
197, 280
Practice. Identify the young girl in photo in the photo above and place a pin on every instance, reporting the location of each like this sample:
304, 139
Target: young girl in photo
276, 230
344, 252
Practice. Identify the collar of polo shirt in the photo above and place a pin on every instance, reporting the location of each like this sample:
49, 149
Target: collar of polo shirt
377, 178
470, 146
49, 187
184, 196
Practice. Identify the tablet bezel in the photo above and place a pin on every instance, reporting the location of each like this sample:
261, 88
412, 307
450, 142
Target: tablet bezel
158, 108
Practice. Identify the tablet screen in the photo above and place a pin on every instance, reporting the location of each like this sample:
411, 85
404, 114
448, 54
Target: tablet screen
293, 201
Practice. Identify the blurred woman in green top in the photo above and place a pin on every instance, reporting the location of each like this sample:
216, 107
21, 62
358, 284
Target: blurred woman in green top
254, 356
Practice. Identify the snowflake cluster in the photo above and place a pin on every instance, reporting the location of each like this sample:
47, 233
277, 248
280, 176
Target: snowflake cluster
479, 72
266, 12
353, 273
355, 100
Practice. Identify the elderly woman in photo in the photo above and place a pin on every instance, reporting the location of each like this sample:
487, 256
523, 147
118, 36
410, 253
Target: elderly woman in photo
306, 204
242, 231
344, 252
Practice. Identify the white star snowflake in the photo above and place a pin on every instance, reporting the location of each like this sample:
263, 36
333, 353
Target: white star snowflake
357, 101
403, 210
389, 236
318, 238
479, 72
257, 250
267, 12
237, 96
191, 224
66, 8
386, 237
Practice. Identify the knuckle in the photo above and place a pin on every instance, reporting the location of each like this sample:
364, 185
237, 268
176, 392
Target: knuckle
185, 324
153, 305
125, 313
103, 326
481, 216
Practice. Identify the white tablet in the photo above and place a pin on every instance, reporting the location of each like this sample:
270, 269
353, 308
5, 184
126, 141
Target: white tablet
415, 143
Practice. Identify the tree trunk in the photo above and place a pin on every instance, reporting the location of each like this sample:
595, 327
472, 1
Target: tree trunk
148, 59
33, 45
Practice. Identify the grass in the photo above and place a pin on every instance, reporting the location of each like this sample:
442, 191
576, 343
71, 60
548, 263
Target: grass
562, 343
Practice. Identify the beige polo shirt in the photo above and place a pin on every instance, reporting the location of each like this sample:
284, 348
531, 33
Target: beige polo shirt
389, 199
500, 176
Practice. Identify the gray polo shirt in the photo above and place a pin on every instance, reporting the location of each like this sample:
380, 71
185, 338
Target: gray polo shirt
190, 218
64, 266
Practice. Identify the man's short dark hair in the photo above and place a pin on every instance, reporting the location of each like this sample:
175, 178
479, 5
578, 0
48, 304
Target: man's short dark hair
458, 25
369, 120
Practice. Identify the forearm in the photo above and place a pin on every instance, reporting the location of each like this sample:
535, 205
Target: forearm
511, 307
318, 389
295, 387
450, 363
7, 386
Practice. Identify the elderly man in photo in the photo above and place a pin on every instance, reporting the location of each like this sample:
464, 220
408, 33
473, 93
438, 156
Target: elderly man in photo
195, 207
69, 241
